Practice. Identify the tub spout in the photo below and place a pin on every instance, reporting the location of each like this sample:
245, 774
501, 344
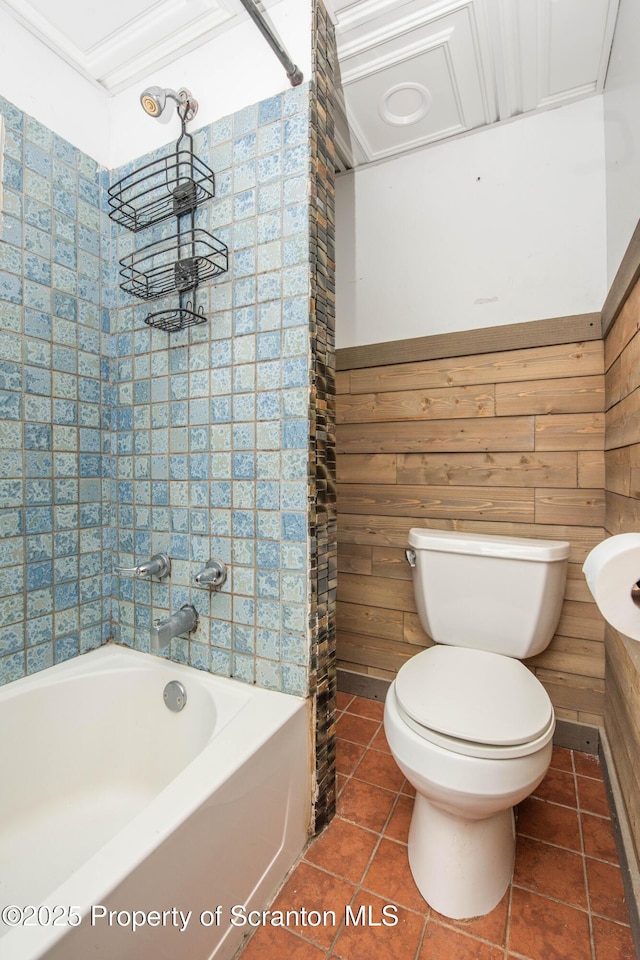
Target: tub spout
182, 621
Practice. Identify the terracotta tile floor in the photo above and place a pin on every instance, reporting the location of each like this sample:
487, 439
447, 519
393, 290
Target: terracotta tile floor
566, 901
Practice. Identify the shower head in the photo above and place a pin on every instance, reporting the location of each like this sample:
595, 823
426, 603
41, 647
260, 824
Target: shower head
154, 101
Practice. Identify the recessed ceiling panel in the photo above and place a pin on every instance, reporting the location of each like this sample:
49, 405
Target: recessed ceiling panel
396, 105
504, 58
414, 79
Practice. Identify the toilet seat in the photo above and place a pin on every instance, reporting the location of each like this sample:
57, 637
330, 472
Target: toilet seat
474, 702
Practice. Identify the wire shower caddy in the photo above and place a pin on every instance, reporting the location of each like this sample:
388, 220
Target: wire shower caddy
174, 264
164, 188
171, 186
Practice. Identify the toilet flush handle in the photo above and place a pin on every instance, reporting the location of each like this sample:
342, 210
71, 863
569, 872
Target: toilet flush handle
411, 557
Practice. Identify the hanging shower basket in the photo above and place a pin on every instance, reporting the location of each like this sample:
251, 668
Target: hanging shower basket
164, 188
173, 186
174, 264
172, 320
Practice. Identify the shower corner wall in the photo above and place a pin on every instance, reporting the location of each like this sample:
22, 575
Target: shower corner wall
54, 401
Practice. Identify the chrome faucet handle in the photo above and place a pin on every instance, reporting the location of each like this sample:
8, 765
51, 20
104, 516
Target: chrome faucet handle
213, 575
158, 566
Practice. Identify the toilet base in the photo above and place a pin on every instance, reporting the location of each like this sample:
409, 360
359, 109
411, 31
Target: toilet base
461, 867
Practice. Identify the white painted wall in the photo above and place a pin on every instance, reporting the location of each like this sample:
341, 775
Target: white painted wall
231, 71
622, 134
504, 226
42, 84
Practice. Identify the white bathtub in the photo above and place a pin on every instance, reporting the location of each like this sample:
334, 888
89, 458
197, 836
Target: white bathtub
110, 804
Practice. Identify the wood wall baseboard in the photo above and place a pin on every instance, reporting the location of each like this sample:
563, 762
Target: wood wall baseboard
568, 734
361, 685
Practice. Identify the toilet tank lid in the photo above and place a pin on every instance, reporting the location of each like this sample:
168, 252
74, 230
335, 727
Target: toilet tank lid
488, 545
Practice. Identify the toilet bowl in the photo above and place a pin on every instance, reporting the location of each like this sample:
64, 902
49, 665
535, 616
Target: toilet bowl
461, 842
468, 724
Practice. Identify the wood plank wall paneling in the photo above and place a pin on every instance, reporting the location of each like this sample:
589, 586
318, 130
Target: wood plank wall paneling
509, 442
622, 515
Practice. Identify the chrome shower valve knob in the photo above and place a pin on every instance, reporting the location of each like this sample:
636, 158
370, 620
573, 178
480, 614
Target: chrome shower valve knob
213, 575
159, 566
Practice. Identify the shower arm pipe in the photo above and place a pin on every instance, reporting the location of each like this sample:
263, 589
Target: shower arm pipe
294, 73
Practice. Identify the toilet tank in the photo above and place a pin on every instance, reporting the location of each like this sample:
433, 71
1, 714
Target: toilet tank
501, 594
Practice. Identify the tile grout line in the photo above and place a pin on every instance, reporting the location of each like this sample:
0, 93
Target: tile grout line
358, 887
381, 835
302, 858
507, 929
558, 846
361, 887
426, 913
428, 916
425, 923
584, 862
361, 890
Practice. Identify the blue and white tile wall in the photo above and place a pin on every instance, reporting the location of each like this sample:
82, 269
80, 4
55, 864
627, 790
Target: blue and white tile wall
54, 401
208, 428
212, 424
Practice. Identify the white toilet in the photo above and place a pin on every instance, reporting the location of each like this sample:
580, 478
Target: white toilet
467, 723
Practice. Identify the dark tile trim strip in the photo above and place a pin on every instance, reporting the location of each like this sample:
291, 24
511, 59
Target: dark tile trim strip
322, 488
573, 736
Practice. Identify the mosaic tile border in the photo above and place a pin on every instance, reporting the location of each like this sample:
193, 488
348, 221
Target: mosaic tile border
322, 492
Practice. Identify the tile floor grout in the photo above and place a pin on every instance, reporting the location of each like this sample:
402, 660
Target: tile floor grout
584, 863
506, 931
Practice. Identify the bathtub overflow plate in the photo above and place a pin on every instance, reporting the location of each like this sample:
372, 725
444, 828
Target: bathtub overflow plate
175, 696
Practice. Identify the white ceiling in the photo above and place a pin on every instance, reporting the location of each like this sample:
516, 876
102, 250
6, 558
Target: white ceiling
412, 72
417, 71
114, 42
